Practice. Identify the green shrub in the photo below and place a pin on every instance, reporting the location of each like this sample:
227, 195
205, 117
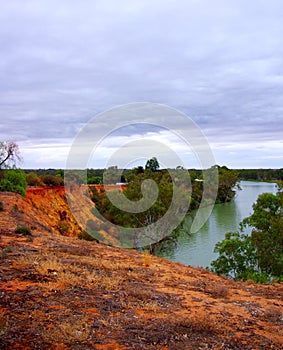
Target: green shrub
13, 180
4, 252
51, 180
24, 230
63, 226
20, 190
94, 180
33, 179
257, 277
6, 185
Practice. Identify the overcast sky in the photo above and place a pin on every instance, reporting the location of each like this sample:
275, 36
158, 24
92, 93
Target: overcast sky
220, 62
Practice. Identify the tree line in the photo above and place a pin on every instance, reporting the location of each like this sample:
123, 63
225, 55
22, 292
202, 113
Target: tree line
165, 180
261, 174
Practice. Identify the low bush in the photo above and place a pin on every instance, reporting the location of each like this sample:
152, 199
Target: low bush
24, 230
63, 227
51, 180
13, 180
33, 180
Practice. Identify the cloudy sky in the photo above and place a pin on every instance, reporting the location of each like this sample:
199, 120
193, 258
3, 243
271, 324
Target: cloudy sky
219, 62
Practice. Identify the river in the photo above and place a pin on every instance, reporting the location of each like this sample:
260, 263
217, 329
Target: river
197, 249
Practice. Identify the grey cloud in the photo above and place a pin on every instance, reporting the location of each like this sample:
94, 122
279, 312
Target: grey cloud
219, 62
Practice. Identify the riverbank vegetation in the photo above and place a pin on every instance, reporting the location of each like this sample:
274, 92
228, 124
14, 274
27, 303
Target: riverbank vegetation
261, 174
172, 195
258, 256
227, 180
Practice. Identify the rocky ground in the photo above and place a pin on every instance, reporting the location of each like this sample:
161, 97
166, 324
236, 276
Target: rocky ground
59, 292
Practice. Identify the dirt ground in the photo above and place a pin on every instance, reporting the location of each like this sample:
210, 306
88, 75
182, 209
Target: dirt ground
58, 292
62, 293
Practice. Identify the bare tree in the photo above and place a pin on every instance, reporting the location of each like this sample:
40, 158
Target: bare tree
9, 154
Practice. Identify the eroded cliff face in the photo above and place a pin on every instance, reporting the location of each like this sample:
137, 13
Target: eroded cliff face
44, 208
48, 209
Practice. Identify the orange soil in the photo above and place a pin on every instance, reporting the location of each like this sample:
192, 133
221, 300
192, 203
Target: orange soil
101, 297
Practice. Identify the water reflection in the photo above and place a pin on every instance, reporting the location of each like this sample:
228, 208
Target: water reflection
197, 249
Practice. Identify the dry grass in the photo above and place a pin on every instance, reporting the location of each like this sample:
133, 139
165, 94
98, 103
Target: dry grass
110, 322
41, 241
150, 306
111, 283
50, 265
205, 323
216, 290
146, 258
69, 275
273, 314
25, 261
4, 322
66, 279
68, 332
219, 291
37, 316
65, 274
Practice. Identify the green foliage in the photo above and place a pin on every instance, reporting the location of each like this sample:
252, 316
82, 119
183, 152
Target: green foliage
33, 179
227, 182
267, 233
6, 186
259, 256
152, 164
13, 180
24, 230
63, 227
4, 252
163, 180
51, 180
261, 174
236, 256
59, 172
94, 180
134, 193
279, 185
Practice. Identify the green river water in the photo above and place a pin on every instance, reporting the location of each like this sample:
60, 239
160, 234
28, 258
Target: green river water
197, 249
